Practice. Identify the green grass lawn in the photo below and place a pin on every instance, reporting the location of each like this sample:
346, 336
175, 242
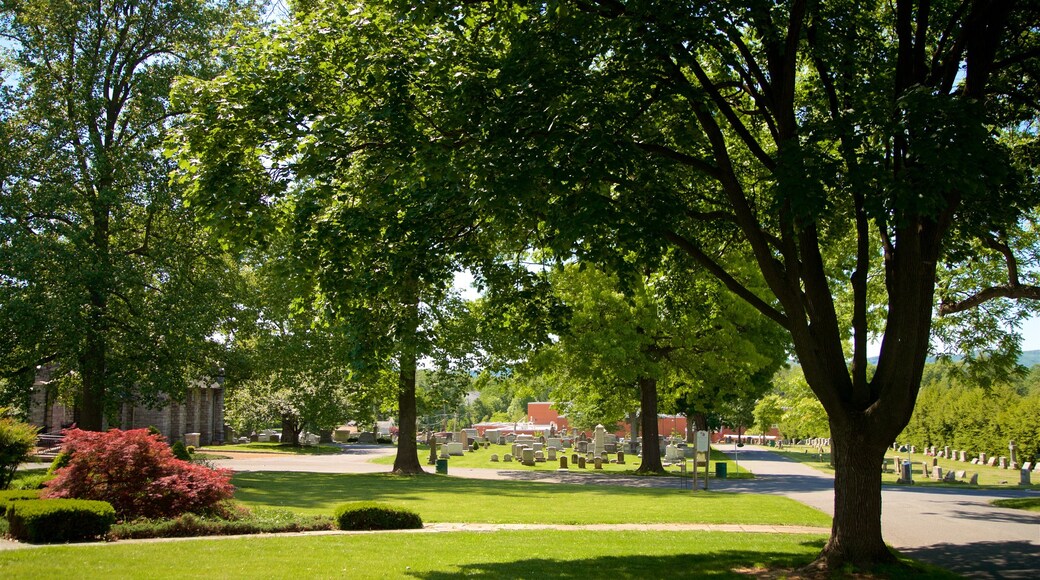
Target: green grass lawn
519, 554
258, 447
1021, 503
449, 499
481, 459
989, 477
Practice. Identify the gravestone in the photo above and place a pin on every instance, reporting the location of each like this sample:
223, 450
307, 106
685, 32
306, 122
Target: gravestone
583, 446
950, 476
574, 458
959, 474
1023, 477
192, 439
937, 472
508, 458
494, 458
946, 451
432, 442
528, 456
599, 440
563, 462
539, 456
581, 462
552, 454
1002, 462
975, 461
1013, 453
621, 457
510, 438
992, 461
963, 456
982, 458
597, 463
973, 479
1028, 466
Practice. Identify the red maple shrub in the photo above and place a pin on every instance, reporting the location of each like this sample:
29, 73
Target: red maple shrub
136, 472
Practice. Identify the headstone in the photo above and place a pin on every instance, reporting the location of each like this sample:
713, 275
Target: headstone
599, 440
192, 439
597, 463
432, 442
581, 462
975, 461
959, 474
583, 446
913, 449
1013, 454
992, 461
539, 456
454, 448
982, 458
1002, 462
946, 451
511, 438
973, 479
494, 458
552, 454
1028, 466
1023, 475
563, 462
964, 456
508, 458
574, 458
528, 456
937, 472
621, 457
950, 476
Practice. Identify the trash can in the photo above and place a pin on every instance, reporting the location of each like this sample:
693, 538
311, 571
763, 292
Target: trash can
720, 470
442, 466
772, 443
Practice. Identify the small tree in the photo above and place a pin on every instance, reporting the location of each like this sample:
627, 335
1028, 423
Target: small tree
16, 442
136, 472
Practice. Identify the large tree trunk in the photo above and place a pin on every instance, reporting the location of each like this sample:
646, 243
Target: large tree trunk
407, 460
290, 431
90, 403
856, 529
651, 462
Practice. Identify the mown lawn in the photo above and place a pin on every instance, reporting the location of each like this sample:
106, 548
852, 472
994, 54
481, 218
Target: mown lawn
324, 449
450, 499
522, 554
989, 477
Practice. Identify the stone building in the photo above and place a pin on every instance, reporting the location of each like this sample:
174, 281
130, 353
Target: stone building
201, 412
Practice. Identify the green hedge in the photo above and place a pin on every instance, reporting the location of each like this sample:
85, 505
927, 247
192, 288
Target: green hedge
8, 495
370, 515
49, 521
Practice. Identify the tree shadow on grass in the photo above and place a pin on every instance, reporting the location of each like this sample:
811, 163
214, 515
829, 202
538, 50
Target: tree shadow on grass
719, 564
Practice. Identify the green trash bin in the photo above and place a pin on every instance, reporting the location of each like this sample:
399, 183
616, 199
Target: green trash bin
720, 469
442, 466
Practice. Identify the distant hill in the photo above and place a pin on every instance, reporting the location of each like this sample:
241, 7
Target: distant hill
1028, 358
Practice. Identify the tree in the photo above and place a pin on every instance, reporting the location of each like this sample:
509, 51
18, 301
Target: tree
644, 337
17, 440
324, 136
852, 152
105, 278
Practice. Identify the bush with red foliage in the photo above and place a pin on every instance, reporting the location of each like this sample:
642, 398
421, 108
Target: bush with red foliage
136, 472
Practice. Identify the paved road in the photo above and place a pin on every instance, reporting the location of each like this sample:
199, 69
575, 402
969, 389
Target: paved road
953, 528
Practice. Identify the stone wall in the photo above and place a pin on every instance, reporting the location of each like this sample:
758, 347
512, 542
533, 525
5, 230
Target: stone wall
202, 412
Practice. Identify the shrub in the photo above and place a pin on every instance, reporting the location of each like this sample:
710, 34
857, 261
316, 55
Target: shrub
137, 473
191, 525
35, 481
191, 450
59, 520
60, 460
17, 441
180, 451
368, 515
9, 495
